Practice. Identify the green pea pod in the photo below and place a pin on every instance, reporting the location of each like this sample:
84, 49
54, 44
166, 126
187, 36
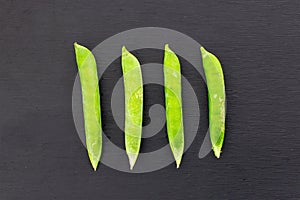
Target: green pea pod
87, 68
216, 99
173, 103
133, 88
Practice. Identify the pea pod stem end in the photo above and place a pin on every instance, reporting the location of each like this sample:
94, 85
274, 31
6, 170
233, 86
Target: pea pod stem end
124, 50
75, 44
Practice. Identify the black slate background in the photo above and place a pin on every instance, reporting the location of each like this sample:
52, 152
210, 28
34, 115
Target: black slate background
258, 42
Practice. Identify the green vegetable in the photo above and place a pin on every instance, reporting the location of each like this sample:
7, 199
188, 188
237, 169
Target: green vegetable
91, 102
216, 99
133, 88
172, 81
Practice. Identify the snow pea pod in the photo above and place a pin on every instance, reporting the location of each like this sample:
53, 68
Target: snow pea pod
87, 69
173, 103
216, 99
133, 89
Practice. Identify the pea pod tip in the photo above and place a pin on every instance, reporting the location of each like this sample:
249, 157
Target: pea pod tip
178, 163
217, 151
132, 159
94, 164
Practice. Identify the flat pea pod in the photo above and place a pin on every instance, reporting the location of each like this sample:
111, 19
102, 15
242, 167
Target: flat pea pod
173, 103
133, 89
87, 69
216, 99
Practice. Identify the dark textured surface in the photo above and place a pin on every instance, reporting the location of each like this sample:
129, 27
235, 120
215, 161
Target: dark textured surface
258, 42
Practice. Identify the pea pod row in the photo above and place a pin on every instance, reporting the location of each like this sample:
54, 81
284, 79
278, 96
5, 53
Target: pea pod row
133, 88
